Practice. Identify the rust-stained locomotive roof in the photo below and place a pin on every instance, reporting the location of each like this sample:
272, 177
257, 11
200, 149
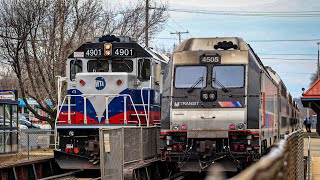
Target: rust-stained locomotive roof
189, 51
207, 44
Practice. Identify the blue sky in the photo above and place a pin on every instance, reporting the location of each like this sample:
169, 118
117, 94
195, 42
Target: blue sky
295, 74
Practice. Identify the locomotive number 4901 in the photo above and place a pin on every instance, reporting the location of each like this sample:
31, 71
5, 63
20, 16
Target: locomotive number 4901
210, 59
123, 52
93, 52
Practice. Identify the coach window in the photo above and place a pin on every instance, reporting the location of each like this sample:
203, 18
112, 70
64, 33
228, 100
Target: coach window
144, 70
189, 76
75, 67
98, 66
228, 76
122, 66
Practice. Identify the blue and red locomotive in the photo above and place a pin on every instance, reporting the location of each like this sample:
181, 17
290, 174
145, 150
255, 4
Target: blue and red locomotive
112, 82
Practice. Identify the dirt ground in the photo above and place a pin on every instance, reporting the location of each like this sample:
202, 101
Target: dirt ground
6, 159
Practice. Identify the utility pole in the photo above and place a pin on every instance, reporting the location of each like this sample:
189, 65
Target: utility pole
147, 24
318, 73
179, 33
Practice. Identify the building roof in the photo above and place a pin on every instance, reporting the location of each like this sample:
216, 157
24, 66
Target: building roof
311, 97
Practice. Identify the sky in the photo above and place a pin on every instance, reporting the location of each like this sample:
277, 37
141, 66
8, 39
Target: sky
295, 73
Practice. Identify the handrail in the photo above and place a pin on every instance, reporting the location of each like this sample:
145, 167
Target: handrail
284, 159
309, 160
90, 95
144, 108
55, 123
106, 95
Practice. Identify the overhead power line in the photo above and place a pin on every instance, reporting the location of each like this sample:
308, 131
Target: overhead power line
272, 40
294, 73
287, 54
179, 34
284, 40
248, 13
289, 59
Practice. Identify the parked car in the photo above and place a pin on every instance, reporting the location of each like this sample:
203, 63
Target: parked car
29, 124
23, 121
7, 122
26, 115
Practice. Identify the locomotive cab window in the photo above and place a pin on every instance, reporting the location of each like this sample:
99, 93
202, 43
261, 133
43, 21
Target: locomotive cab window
75, 67
189, 76
157, 73
98, 66
228, 77
144, 70
122, 66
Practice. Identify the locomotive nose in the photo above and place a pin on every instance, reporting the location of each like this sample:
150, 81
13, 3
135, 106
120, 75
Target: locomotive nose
107, 83
98, 86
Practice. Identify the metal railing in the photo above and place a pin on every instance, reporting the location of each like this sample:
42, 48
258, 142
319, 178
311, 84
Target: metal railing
309, 177
285, 161
107, 96
122, 146
85, 96
30, 144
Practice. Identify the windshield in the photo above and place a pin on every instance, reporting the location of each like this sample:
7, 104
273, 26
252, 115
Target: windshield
122, 66
187, 76
98, 66
227, 76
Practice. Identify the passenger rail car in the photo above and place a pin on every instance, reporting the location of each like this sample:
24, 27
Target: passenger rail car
220, 103
110, 83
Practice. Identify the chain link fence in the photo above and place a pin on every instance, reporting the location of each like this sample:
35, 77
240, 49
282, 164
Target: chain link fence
21, 145
126, 145
285, 161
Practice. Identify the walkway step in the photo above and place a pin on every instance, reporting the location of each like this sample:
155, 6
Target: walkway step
315, 168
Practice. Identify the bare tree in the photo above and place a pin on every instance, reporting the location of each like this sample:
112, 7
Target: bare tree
36, 37
313, 78
129, 20
8, 79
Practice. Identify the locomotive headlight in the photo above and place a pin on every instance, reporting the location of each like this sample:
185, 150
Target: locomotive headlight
71, 133
205, 96
107, 49
176, 127
212, 96
240, 126
107, 52
107, 46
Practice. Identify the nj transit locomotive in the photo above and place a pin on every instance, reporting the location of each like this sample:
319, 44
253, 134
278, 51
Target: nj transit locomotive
220, 103
112, 82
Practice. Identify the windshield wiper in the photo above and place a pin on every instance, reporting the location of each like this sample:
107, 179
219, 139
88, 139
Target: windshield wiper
126, 64
224, 89
195, 84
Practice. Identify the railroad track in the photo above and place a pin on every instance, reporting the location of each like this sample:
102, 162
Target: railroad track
66, 176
